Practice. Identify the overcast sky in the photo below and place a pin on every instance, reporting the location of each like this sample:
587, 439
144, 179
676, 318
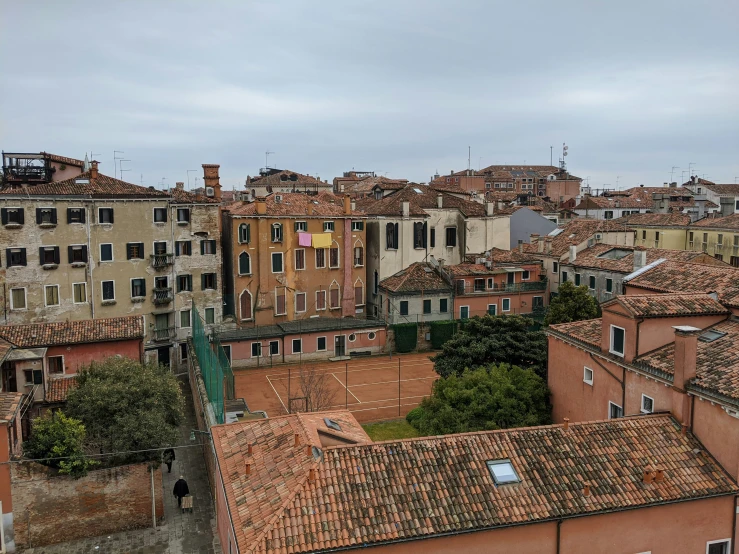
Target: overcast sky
404, 87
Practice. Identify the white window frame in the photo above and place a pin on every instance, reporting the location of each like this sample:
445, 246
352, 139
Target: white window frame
303, 224
325, 344
585, 379
251, 302
460, 311
525, 275
502, 305
315, 259
594, 279
607, 281
354, 229
305, 261
610, 344
153, 215
456, 237
272, 265
609, 409
205, 314
641, 406
190, 319
130, 286
238, 263
727, 541
292, 344
64, 369
105, 208
79, 283
328, 227
189, 215
305, 303
25, 299
101, 291
58, 296
261, 350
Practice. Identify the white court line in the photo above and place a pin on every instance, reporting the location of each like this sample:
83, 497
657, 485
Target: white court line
347, 389
278, 396
395, 381
395, 400
382, 407
333, 369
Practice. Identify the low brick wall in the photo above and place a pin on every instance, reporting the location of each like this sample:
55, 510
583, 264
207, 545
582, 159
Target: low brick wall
51, 508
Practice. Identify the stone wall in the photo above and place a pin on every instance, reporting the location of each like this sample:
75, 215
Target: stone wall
51, 508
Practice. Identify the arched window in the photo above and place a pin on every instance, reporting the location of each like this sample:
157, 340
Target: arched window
359, 293
245, 305
244, 264
277, 232
244, 233
334, 296
358, 254
333, 255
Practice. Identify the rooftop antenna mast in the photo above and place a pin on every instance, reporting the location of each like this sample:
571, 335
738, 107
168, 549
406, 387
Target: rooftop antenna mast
120, 163
188, 176
674, 167
266, 158
551, 155
690, 170
469, 153
115, 161
618, 178
562, 163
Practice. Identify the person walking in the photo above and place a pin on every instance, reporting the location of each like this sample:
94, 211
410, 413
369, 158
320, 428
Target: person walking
180, 490
168, 457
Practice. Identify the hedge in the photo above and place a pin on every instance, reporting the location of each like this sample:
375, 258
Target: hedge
406, 337
441, 331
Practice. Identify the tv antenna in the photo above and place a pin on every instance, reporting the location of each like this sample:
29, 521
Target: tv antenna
188, 176
562, 164
674, 167
618, 177
690, 170
266, 158
120, 163
115, 161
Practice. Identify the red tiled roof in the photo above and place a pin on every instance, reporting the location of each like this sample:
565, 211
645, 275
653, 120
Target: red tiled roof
102, 186
59, 388
9, 402
63, 159
420, 198
498, 255
287, 178
591, 257
372, 494
416, 277
664, 305
5, 347
578, 231
325, 204
587, 331
365, 186
725, 189
74, 332
188, 197
715, 221
658, 220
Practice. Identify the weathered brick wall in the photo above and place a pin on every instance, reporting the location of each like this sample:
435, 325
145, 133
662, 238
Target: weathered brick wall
50, 508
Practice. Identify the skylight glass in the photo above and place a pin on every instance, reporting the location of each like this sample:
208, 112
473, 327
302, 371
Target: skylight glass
331, 424
418, 191
710, 336
503, 472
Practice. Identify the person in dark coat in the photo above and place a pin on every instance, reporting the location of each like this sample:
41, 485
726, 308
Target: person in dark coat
180, 490
168, 458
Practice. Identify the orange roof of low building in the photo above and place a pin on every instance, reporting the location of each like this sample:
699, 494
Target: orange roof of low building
9, 403
671, 219
286, 178
59, 388
420, 198
598, 257
417, 277
324, 204
74, 332
587, 331
669, 305
577, 231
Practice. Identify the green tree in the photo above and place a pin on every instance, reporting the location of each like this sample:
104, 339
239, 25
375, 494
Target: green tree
486, 398
493, 339
59, 439
571, 304
126, 406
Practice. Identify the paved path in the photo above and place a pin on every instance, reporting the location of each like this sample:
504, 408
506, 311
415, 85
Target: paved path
180, 533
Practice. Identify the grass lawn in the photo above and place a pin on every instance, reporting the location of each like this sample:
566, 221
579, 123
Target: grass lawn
389, 430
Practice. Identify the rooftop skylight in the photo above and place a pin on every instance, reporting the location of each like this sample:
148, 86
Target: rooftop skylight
418, 191
503, 472
710, 336
331, 424
614, 254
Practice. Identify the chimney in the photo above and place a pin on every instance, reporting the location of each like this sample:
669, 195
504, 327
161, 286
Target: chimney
347, 205
640, 259
648, 475
566, 425
539, 244
547, 245
660, 475
309, 209
94, 169
247, 468
249, 449
439, 201
673, 185
586, 489
489, 208
261, 205
520, 245
354, 205
180, 185
686, 347
573, 253
297, 439
406, 208
211, 179
727, 206
500, 206
700, 201
312, 474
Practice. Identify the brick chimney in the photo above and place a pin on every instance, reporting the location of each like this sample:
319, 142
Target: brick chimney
347, 204
179, 185
520, 245
211, 179
261, 205
489, 208
547, 245
686, 347
94, 169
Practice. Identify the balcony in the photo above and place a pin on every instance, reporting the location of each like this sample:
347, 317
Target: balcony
471, 290
159, 335
162, 296
160, 261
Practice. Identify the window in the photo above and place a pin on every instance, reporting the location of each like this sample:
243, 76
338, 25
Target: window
357, 225
300, 258
588, 376
160, 215
492, 309
359, 293
427, 306
106, 252
419, 235
503, 472
403, 307
609, 285
277, 265
244, 233
274, 348
210, 316
334, 298
479, 285
720, 239
320, 300
75, 215
328, 226
245, 304
297, 346
256, 349
358, 256
183, 351
464, 312
564, 276
77, 254
208, 281
108, 288
656, 236
537, 302
320, 258
135, 251
736, 240
105, 215
577, 279
183, 215
443, 305
207, 247
734, 261
506, 304
432, 237
185, 319
491, 283
277, 232
46, 216
647, 404
614, 411
391, 236
608, 214
300, 302
591, 282
280, 304
321, 344
617, 340
18, 299
55, 364
184, 283
718, 547
160, 247
719, 256
48, 255
333, 257
12, 216
301, 226
138, 288
33, 376
451, 236
525, 275
79, 291
644, 235
51, 295
15, 257
244, 263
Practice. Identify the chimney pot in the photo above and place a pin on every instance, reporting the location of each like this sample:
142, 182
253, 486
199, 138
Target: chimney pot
660, 475
94, 169
686, 349
684, 429
566, 425
309, 450
312, 474
586, 489
406, 208
297, 439
211, 179
640, 259
261, 205
347, 204
520, 245
180, 185
439, 201
247, 469
548, 245
249, 449
648, 475
573, 253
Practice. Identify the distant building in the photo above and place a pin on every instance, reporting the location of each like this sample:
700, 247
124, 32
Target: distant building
417, 293
714, 192
37, 169
358, 184
272, 180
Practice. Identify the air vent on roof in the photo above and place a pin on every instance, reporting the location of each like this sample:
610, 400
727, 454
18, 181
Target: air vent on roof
711, 335
210, 191
82, 181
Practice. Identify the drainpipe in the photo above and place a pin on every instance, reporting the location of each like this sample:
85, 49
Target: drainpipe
559, 534
734, 514
153, 501
89, 265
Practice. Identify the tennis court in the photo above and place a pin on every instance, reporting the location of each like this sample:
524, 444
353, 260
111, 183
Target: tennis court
373, 389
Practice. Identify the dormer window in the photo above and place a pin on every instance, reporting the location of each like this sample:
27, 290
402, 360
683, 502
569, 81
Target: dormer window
503, 472
331, 424
618, 338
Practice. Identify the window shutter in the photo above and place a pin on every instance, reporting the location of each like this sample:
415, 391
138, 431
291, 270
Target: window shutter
41, 255
389, 236
38, 215
21, 216
111, 215
83, 215
57, 257
395, 238
425, 234
53, 215
23, 256
7, 257
202, 281
71, 255
84, 253
202, 247
4, 215
69, 215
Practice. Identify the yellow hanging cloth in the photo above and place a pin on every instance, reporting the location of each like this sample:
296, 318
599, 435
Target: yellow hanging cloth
321, 240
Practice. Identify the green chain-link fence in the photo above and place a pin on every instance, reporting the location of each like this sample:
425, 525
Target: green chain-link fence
214, 366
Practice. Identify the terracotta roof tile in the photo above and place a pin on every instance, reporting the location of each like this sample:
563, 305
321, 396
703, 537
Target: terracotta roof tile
5, 347
725, 189
63, 159
365, 186
416, 277
102, 186
622, 257
420, 198
9, 402
188, 197
663, 305
578, 231
286, 178
587, 331
325, 204
659, 220
715, 221
74, 332
59, 388
417, 488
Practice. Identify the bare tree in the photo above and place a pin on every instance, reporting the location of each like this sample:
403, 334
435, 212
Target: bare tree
318, 388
